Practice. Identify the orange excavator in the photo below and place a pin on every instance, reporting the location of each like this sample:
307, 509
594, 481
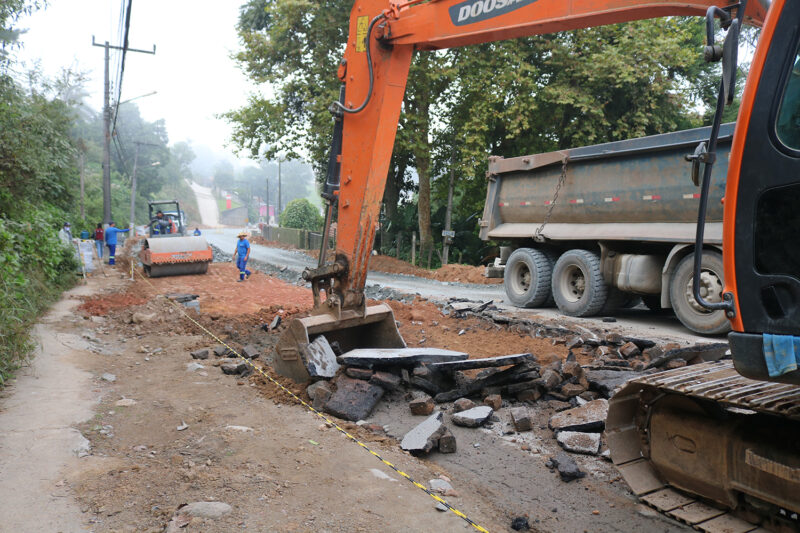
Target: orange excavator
714, 445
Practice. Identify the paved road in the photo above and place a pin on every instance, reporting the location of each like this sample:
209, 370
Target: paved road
632, 322
207, 204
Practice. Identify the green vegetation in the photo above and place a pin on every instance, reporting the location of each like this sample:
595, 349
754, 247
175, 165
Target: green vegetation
46, 136
507, 98
301, 214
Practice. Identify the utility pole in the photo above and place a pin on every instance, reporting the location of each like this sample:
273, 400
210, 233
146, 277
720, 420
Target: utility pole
280, 197
268, 221
107, 126
447, 233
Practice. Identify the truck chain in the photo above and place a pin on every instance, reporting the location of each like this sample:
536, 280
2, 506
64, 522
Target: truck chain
537, 234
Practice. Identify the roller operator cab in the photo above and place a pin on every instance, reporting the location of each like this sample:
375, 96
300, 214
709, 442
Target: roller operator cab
168, 250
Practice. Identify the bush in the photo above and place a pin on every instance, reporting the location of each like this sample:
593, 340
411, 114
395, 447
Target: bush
300, 214
34, 268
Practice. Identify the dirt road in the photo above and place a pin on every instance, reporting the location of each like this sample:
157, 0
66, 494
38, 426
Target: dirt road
632, 322
163, 434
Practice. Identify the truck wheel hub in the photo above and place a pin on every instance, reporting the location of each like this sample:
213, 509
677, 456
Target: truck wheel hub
573, 284
710, 290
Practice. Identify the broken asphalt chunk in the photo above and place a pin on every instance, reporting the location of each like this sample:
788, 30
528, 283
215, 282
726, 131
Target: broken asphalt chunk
233, 367
472, 418
588, 417
319, 359
251, 352
425, 435
578, 442
447, 442
521, 418
470, 364
200, 354
354, 399
404, 357
567, 467
387, 380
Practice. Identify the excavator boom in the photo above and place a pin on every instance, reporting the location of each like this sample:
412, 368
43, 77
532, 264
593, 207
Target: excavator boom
726, 439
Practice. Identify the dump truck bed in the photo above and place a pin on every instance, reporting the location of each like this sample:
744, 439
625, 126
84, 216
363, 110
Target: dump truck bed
637, 189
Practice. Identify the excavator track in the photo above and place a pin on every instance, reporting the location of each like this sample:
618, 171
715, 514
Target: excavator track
710, 448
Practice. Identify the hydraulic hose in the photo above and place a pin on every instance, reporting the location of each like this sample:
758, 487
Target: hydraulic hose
340, 106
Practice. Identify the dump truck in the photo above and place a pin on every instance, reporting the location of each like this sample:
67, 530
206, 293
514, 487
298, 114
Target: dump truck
168, 250
596, 227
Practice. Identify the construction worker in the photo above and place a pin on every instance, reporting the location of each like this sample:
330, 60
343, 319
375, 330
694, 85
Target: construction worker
161, 225
197, 232
111, 240
99, 237
243, 252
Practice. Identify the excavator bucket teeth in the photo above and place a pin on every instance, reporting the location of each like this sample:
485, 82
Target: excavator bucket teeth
376, 329
175, 256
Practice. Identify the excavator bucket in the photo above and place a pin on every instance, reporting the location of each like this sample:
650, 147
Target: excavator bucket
175, 256
376, 329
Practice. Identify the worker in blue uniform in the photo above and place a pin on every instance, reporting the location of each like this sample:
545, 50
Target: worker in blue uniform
241, 255
111, 240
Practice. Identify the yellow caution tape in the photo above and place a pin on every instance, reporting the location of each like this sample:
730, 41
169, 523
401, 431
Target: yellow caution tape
325, 418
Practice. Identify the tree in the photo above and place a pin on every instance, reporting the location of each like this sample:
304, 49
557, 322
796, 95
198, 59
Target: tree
300, 214
505, 98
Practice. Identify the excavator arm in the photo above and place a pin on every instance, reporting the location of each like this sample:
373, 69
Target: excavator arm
382, 40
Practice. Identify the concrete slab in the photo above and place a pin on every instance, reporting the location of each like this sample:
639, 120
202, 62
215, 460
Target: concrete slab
425, 435
319, 359
588, 417
472, 418
405, 357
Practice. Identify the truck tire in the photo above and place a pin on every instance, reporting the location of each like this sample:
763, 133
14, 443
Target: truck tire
686, 307
527, 277
578, 285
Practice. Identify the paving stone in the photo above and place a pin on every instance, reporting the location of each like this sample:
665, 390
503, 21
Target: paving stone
675, 363
572, 389
588, 417
233, 367
566, 466
629, 350
354, 399
425, 435
614, 338
447, 442
503, 360
200, 354
211, 510
463, 404
251, 351
407, 357
521, 418
319, 359
387, 380
422, 406
472, 418
572, 369
495, 401
579, 442
550, 379
708, 352
319, 388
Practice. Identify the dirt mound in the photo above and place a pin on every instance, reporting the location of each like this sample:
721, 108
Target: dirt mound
220, 294
258, 239
102, 305
423, 324
453, 272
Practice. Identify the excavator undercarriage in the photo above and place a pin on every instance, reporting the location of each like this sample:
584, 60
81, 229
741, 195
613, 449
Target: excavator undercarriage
706, 431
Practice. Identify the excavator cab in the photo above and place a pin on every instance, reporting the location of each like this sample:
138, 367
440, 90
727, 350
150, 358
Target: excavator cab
167, 250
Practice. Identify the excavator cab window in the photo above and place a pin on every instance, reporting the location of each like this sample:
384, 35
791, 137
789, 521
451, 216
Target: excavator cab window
788, 120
